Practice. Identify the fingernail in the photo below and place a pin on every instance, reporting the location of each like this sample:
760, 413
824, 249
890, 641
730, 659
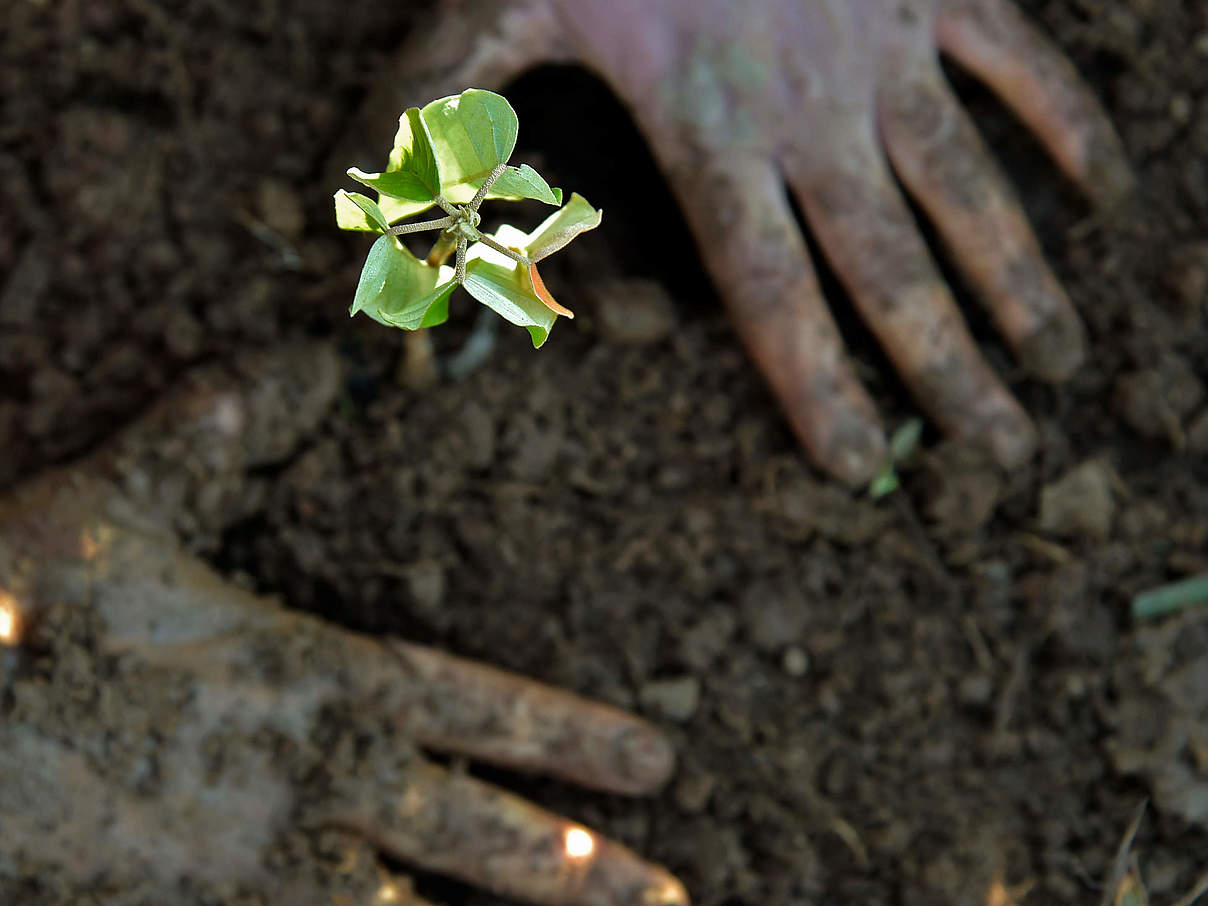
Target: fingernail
1011, 438
1109, 178
647, 758
1055, 351
857, 451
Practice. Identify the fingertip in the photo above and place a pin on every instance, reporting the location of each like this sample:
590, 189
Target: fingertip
1011, 439
1057, 348
857, 450
1108, 178
645, 760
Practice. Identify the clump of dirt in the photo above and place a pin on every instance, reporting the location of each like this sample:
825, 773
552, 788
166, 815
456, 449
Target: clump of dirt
890, 702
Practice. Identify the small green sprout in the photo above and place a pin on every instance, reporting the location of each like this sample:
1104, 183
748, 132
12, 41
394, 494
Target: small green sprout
902, 444
453, 154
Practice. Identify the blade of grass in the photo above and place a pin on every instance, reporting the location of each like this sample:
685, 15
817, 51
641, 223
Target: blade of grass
1168, 599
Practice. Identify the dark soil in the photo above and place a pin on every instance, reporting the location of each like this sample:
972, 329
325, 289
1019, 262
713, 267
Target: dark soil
899, 701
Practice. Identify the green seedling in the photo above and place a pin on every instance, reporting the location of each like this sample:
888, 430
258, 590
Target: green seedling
1168, 599
902, 445
453, 154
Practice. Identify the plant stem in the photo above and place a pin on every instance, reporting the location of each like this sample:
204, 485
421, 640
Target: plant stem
460, 277
504, 250
420, 227
486, 187
441, 250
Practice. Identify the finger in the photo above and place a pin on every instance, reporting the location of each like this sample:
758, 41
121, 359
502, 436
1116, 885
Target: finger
938, 154
756, 255
461, 827
457, 705
867, 233
994, 41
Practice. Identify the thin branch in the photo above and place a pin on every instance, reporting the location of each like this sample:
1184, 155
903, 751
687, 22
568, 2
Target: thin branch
503, 249
447, 206
441, 250
461, 260
400, 229
486, 187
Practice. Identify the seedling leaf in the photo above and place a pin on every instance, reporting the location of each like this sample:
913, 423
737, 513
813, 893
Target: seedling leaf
504, 286
543, 294
399, 290
557, 230
414, 159
905, 440
358, 212
472, 133
524, 182
396, 184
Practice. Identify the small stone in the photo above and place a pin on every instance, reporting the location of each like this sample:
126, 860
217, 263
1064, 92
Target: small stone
701, 644
795, 661
1154, 400
1180, 108
693, 792
774, 613
426, 584
280, 208
1197, 433
634, 311
963, 487
1080, 503
676, 699
975, 690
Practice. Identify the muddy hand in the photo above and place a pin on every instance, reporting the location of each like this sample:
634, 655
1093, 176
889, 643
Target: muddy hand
834, 98
167, 737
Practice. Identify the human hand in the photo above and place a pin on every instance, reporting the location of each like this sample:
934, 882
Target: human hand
166, 737
834, 98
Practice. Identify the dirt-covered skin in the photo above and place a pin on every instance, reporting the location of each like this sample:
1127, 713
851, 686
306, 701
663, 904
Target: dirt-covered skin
168, 737
872, 703
834, 98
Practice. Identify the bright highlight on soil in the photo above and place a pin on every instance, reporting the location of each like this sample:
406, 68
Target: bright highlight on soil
579, 843
10, 625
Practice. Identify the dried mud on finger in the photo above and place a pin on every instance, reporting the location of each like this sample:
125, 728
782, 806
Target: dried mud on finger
897, 702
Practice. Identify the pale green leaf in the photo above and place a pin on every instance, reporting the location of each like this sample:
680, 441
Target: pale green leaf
397, 184
472, 133
884, 482
524, 182
399, 290
503, 286
575, 217
905, 440
414, 160
357, 212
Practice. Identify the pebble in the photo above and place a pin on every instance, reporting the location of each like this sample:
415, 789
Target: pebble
1153, 401
1197, 433
693, 792
676, 699
1080, 503
280, 208
795, 661
634, 311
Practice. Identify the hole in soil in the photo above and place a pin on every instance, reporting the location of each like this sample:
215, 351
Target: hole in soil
589, 143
